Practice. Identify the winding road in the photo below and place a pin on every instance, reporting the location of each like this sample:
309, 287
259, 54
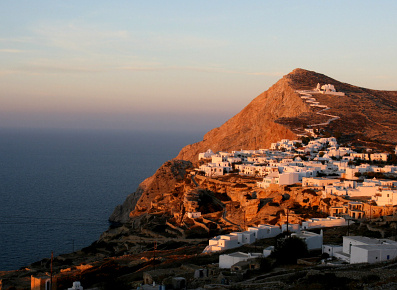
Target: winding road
305, 95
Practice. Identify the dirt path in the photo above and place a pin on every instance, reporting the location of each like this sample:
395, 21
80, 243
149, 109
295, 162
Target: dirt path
305, 95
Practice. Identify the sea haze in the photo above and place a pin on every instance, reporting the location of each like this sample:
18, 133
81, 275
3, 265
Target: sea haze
59, 187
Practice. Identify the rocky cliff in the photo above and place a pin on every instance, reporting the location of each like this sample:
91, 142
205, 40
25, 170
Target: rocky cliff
163, 181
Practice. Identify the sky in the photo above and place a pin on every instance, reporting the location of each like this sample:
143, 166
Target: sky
178, 65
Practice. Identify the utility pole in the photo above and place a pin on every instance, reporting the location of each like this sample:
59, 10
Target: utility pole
52, 258
287, 222
370, 211
244, 219
348, 226
154, 255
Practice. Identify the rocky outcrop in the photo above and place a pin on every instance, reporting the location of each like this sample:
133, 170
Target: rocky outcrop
163, 181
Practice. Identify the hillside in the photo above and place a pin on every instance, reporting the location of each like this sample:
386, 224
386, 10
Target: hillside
366, 116
255, 126
280, 113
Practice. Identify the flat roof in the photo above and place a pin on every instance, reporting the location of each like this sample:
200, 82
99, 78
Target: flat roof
376, 247
305, 234
371, 241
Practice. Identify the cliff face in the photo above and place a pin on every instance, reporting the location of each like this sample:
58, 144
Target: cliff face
254, 127
163, 181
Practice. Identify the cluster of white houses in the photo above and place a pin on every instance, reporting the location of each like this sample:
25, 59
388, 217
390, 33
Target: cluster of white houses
237, 239
288, 162
355, 249
283, 164
313, 242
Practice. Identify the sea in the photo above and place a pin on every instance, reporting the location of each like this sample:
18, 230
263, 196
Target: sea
58, 187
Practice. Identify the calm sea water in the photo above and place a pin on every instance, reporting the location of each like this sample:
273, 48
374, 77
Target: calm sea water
58, 188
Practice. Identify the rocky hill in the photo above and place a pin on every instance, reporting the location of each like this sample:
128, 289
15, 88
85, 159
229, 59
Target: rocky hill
365, 115
255, 126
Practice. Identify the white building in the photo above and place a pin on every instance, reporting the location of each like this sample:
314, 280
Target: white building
318, 181
216, 169
313, 241
227, 261
314, 223
205, 155
285, 178
358, 249
268, 251
379, 156
76, 286
247, 237
331, 249
237, 239
291, 228
265, 231
385, 197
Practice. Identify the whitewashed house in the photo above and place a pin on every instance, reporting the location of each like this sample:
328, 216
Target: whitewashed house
358, 249
379, 156
221, 243
205, 155
247, 237
265, 231
314, 223
228, 242
318, 181
227, 261
285, 178
384, 197
291, 227
313, 241
216, 169
331, 249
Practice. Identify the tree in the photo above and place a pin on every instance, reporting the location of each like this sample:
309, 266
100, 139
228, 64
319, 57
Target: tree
288, 249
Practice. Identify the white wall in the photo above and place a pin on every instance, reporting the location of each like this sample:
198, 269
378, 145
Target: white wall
226, 261
331, 249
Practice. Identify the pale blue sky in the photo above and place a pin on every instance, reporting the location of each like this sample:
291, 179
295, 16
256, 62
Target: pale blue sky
177, 65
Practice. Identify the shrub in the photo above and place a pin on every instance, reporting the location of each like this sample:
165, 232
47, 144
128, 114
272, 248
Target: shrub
370, 279
288, 250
